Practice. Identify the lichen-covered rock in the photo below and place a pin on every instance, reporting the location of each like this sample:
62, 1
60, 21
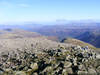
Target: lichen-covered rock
34, 66
92, 72
1, 71
98, 69
82, 73
48, 70
69, 70
20, 73
81, 67
64, 72
9, 71
55, 61
67, 64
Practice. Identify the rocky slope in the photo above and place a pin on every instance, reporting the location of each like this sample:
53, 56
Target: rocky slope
33, 54
28, 43
39, 56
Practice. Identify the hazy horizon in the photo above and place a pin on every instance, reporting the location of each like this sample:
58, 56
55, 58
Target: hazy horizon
13, 11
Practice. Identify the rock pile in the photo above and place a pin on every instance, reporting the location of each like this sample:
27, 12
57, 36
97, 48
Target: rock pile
62, 61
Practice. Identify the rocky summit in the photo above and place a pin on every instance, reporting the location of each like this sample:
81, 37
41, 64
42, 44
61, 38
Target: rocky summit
40, 56
62, 60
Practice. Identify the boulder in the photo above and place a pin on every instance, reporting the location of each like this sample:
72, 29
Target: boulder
64, 72
1, 71
34, 66
82, 73
20, 73
98, 69
92, 72
67, 64
69, 71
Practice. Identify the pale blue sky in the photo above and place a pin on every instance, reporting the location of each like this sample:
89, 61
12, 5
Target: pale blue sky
48, 10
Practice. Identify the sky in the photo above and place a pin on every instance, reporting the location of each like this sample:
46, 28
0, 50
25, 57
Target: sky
48, 10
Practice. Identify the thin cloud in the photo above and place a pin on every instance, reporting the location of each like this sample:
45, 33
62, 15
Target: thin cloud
5, 3
24, 5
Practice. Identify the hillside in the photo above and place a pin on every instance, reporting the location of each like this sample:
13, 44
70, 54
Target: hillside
17, 33
77, 42
27, 43
29, 53
40, 56
91, 37
20, 33
87, 32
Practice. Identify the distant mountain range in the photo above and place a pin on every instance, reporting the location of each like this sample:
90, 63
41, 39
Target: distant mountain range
91, 37
87, 31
